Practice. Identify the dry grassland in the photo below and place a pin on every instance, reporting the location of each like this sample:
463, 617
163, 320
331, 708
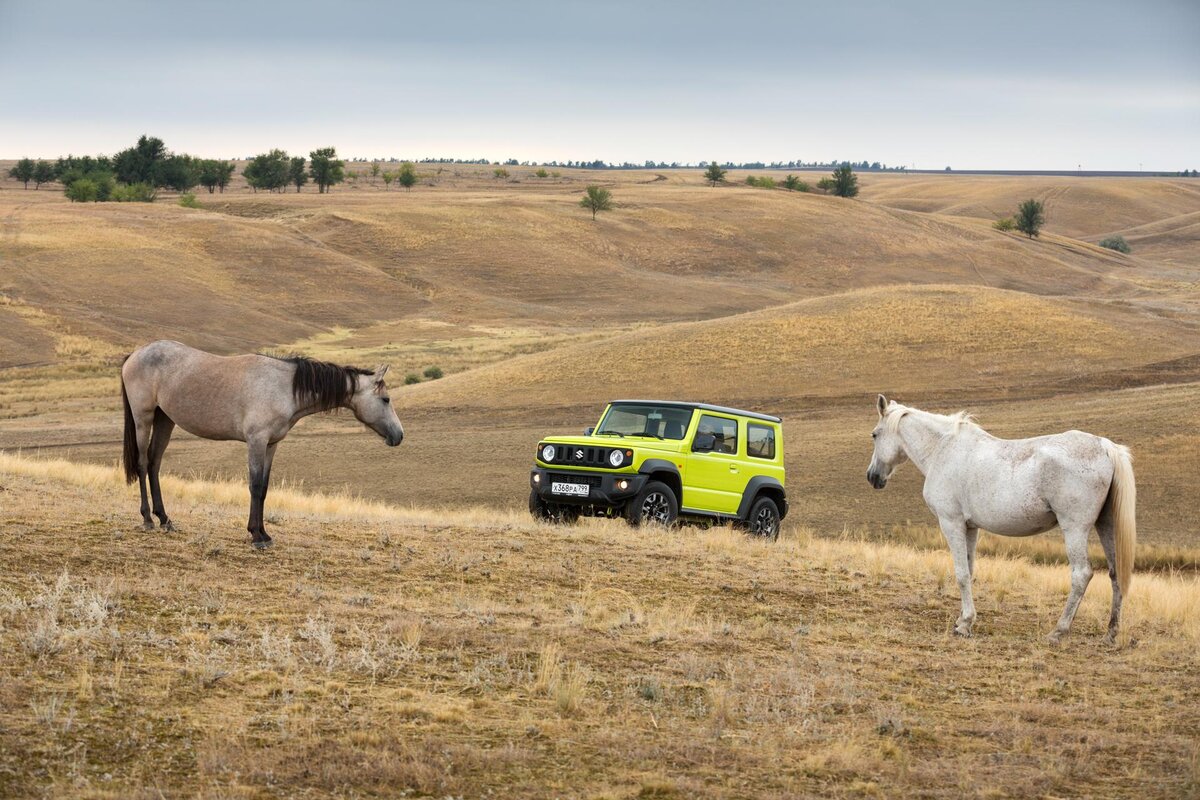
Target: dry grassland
377, 651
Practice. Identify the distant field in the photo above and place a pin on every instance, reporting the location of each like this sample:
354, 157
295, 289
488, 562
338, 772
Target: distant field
801, 304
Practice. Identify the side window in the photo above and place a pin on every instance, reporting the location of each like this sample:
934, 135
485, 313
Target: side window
760, 441
724, 432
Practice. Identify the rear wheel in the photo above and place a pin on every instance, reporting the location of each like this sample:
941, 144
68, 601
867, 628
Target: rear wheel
553, 513
655, 504
764, 519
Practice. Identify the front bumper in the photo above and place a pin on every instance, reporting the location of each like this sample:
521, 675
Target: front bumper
602, 486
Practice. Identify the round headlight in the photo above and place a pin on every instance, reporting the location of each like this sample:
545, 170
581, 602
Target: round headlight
616, 458
548, 453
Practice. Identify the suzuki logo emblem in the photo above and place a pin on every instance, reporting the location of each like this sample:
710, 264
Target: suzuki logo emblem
579, 455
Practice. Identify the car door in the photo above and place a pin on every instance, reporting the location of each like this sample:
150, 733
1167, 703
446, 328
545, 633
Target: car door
714, 481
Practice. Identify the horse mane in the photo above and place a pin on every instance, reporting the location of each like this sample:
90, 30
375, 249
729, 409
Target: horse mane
328, 386
958, 421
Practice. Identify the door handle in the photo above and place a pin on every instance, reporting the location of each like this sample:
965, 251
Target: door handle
733, 468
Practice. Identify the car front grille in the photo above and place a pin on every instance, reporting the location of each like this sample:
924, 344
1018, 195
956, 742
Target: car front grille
581, 455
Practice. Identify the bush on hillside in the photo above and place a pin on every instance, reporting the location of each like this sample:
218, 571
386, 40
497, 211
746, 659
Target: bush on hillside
411, 378
1005, 224
433, 373
188, 200
762, 181
500, 172
1117, 243
134, 193
82, 190
794, 184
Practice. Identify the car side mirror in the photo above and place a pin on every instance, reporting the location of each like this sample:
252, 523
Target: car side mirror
704, 443
588, 431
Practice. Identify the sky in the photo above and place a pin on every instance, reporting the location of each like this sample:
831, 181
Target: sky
1018, 84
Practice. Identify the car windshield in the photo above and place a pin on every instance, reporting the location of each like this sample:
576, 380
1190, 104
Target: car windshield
659, 422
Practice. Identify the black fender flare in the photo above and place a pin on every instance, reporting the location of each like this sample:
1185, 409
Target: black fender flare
756, 485
652, 465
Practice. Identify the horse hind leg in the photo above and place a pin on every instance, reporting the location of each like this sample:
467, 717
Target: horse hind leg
159, 439
143, 422
1106, 530
1076, 538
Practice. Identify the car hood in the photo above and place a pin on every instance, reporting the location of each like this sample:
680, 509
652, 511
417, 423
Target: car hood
638, 443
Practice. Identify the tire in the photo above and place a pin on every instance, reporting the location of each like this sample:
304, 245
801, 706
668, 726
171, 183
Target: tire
552, 513
654, 503
763, 520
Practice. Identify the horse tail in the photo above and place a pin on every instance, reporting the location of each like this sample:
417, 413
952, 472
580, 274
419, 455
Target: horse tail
130, 454
1123, 496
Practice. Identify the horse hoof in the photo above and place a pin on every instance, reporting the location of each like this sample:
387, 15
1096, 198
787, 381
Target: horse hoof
147, 526
963, 632
167, 527
1054, 639
263, 545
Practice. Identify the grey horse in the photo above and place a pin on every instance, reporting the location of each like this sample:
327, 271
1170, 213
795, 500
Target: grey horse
1016, 487
254, 399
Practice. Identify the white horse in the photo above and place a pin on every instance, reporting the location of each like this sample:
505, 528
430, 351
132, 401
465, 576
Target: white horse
1016, 487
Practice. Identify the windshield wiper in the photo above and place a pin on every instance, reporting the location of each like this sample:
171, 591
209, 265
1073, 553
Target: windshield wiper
648, 435
610, 433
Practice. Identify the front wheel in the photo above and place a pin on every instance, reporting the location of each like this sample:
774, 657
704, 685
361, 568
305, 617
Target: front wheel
655, 503
764, 519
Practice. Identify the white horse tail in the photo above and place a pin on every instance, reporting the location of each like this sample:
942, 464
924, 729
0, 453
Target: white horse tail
1123, 496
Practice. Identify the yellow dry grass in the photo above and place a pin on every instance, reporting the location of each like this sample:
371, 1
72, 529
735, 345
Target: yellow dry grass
379, 652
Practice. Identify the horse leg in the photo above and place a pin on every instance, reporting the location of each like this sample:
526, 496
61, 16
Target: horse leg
159, 439
955, 532
143, 422
266, 484
258, 448
1076, 538
972, 534
1105, 528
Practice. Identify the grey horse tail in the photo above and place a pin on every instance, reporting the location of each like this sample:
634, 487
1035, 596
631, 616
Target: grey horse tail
131, 448
1123, 496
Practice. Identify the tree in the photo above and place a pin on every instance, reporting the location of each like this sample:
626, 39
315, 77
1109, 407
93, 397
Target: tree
296, 174
596, 199
180, 173
23, 171
825, 184
374, 171
407, 176
326, 169
845, 182
43, 172
1030, 217
214, 174
500, 172
714, 174
268, 171
139, 163
388, 177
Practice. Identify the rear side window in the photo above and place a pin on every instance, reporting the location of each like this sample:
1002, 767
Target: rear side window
760, 441
724, 431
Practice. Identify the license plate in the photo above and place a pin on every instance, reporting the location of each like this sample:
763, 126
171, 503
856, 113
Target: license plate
573, 489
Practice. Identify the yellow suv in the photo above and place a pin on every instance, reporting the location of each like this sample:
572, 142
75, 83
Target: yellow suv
656, 461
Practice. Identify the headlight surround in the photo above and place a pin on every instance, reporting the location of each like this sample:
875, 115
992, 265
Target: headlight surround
616, 458
548, 453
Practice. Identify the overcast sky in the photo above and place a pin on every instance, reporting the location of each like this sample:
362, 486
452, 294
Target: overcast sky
1004, 85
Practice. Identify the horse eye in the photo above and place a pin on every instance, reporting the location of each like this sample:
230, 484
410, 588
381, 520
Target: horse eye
386, 399
874, 435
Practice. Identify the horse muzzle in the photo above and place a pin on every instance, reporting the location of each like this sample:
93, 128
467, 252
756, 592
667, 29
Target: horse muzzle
875, 479
394, 439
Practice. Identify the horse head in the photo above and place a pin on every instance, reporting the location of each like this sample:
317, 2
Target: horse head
889, 447
372, 406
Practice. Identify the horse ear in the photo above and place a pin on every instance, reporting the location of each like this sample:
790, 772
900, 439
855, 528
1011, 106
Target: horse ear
380, 371
883, 404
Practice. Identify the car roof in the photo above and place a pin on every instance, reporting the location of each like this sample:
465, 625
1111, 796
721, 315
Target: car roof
702, 406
